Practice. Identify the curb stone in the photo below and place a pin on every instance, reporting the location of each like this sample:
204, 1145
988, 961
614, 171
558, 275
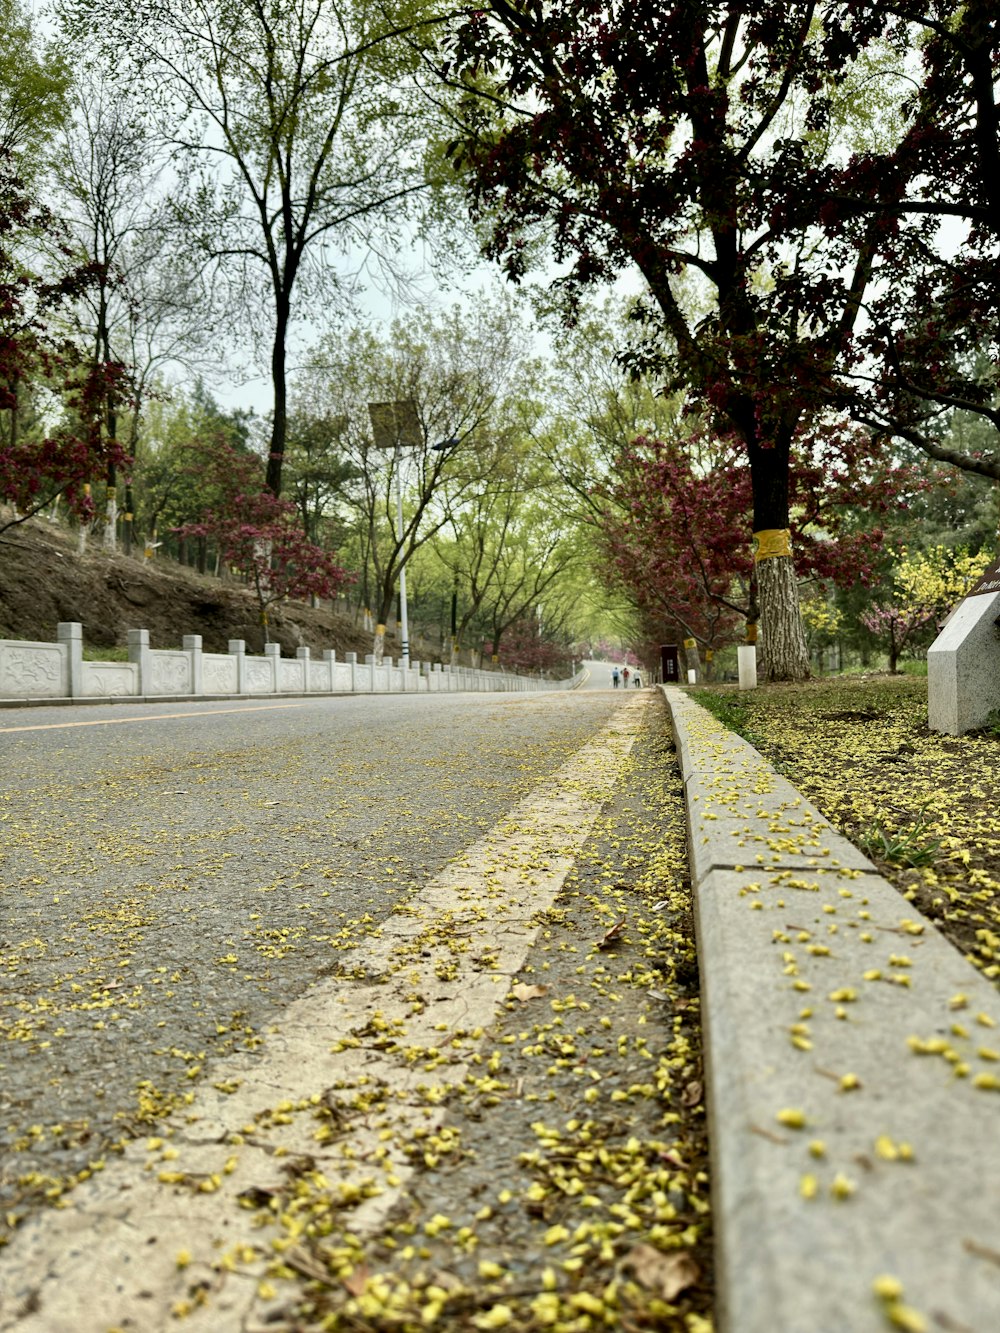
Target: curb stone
825, 993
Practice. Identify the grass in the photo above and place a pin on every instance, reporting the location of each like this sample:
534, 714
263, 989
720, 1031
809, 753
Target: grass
730, 711
902, 847
105, 654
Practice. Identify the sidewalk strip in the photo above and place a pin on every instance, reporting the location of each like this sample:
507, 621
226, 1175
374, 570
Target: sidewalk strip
853, 1069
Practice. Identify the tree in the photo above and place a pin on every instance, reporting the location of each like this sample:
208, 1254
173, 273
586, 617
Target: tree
176, 476
318, 471
146, 308
298, 128
455, 371
34, 84
490, 521
927, 586
258, 534
669, 141
52, 399
674, 525
930, 349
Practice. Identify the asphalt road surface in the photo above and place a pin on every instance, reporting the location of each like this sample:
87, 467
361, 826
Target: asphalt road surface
198, 899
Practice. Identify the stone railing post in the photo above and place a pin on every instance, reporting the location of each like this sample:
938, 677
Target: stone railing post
70, 633
272, 651
370, 664
303, 655
238, 649
352, 661
329, 657
191, 643
138, 652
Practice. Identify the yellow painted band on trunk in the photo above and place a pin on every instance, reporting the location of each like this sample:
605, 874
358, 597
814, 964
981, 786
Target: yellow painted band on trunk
771, 542
752, 633
690, 643
379, 629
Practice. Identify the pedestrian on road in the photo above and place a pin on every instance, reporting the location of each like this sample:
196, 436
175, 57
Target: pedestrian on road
614, 678
637, 681
625, 677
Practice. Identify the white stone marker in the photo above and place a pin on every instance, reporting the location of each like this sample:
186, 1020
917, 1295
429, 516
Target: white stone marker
963, 662
746, 658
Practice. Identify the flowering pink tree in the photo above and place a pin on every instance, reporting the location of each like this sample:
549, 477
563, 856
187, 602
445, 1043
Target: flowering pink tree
524, 648
896, 626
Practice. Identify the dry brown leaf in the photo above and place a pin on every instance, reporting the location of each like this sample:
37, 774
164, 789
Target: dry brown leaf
447, 1281
355, 1282
666, 1274
612, 936
524, 992
304, 1263
692, 1094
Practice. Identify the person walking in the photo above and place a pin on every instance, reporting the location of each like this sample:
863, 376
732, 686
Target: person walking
637, 681
615, 678
625, 676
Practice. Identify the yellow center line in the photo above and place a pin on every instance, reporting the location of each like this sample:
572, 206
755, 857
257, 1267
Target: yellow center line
149, 717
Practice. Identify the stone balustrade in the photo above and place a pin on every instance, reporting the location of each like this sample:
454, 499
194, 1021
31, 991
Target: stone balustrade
39, 671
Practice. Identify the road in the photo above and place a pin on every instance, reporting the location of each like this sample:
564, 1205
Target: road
598, 676
299, 927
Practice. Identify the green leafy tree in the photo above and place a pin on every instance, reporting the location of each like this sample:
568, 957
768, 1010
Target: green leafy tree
455, 370
926, 585
35, 80
299, 132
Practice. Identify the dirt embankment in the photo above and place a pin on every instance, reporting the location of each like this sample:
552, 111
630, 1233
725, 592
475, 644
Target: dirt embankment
44, 580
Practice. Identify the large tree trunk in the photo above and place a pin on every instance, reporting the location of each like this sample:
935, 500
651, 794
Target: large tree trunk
279, 423
385, 606
782, 651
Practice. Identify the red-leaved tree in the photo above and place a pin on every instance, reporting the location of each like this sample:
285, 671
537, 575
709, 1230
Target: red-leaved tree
525, 648
259, 535
675, 526
53, 400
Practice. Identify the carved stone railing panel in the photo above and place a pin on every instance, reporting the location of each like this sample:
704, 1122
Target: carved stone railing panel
218, 673
110, 680
170, 673
32, 670
259, 676
291, 676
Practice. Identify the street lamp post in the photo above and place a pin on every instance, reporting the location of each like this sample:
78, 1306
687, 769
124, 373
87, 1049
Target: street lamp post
394, 425
404, 624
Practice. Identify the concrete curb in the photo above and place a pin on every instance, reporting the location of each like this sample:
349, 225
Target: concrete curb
827, 996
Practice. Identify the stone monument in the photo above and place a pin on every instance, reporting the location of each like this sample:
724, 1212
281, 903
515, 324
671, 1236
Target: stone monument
963, 662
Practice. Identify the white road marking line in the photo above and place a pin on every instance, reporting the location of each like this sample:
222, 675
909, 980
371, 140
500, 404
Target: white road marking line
150, 717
